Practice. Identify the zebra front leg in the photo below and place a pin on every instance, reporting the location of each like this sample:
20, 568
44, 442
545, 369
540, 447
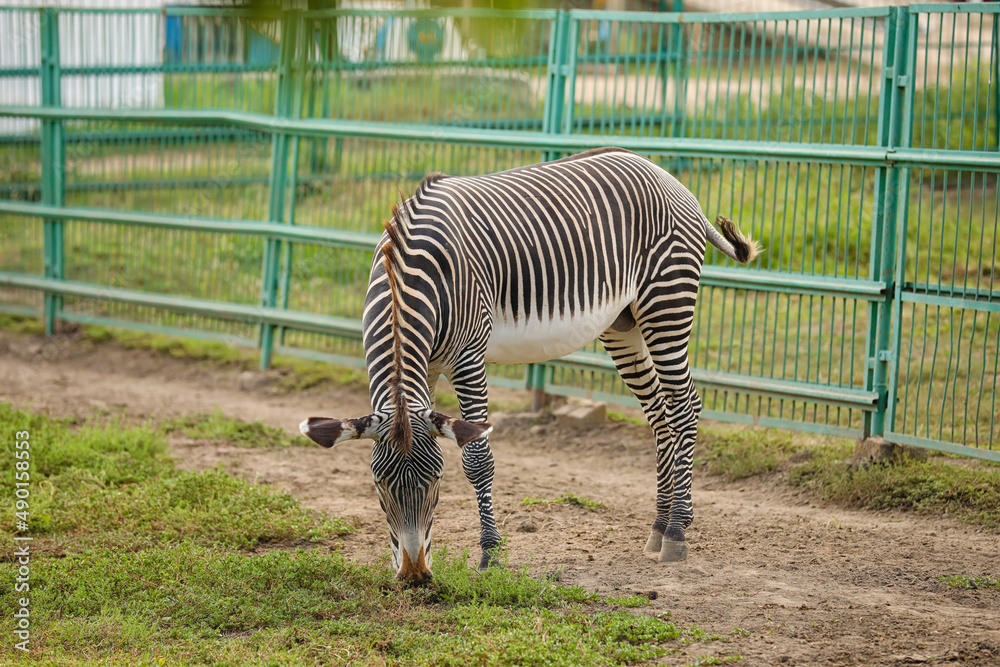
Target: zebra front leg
469, 382
477, 461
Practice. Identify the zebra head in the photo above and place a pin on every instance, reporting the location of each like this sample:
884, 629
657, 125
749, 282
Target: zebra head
407, 467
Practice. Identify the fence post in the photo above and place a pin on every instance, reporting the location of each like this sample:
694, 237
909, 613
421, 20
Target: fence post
887, 195
555, 94
535, 376
557, 118
284, 104
995, 72
298, 95
677, 58
53, 159
904, 88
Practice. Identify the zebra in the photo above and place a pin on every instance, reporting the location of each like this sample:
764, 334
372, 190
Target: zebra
524, 266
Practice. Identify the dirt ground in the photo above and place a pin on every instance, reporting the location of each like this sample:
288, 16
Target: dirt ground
787, 579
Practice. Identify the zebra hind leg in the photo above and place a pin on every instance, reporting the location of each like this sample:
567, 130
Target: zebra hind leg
674, 460
629, 352
665, 316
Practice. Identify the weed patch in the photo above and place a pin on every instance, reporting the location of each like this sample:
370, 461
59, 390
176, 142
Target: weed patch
971, 583
935, 485
113, 484
456, 583
627, 600
218, 428
745, 453
971, 495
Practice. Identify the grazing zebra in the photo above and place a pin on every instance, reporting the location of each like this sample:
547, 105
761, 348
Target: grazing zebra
523, 266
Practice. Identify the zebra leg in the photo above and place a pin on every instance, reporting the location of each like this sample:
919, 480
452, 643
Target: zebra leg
628, 350
673, 471
665, 316
469, 383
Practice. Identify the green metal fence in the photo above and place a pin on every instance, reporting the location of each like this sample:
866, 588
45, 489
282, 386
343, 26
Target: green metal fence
224, 173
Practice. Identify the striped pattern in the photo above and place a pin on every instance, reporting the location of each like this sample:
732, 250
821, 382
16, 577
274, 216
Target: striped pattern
526, 264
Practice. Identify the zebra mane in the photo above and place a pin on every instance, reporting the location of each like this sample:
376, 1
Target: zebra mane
394, 262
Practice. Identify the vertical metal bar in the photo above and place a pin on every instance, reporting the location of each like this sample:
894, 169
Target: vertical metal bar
284, 103
555, 96
534, 375
319, 86
995, 82
557, 117
298, 95
908, 68
571, 50
53, 159
888, 192
678, 57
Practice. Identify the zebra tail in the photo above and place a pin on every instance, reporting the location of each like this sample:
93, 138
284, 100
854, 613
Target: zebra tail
732, 242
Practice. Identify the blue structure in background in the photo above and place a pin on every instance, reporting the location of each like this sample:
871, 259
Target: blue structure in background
186, 35
172, 44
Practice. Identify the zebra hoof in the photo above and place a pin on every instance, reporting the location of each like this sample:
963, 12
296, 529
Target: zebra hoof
672, 551
491, 559
654, 541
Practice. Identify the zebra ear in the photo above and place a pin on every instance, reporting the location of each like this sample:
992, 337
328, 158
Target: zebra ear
329, 432
462, 432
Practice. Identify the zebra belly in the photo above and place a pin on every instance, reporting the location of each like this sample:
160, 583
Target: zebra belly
541, 340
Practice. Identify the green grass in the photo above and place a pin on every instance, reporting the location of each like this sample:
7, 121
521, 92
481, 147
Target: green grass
971, 583
741, 454
933, 486
174, 346
615, 416
136, 562
218, 428
105, 483
189, 604
566, 499
627, 600
715, 660
21, 325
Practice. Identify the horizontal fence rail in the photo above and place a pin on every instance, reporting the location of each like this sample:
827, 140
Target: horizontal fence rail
223, 173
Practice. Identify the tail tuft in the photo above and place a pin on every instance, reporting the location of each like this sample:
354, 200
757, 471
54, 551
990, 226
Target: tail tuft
745, 248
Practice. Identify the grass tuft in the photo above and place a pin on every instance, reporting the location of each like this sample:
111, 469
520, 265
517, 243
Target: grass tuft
294, 374
934, 485
218, 428
971, 583
20, 324
741, 454
109, 483
455, 582
971, 494
173, 346
627, 600
615, 416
